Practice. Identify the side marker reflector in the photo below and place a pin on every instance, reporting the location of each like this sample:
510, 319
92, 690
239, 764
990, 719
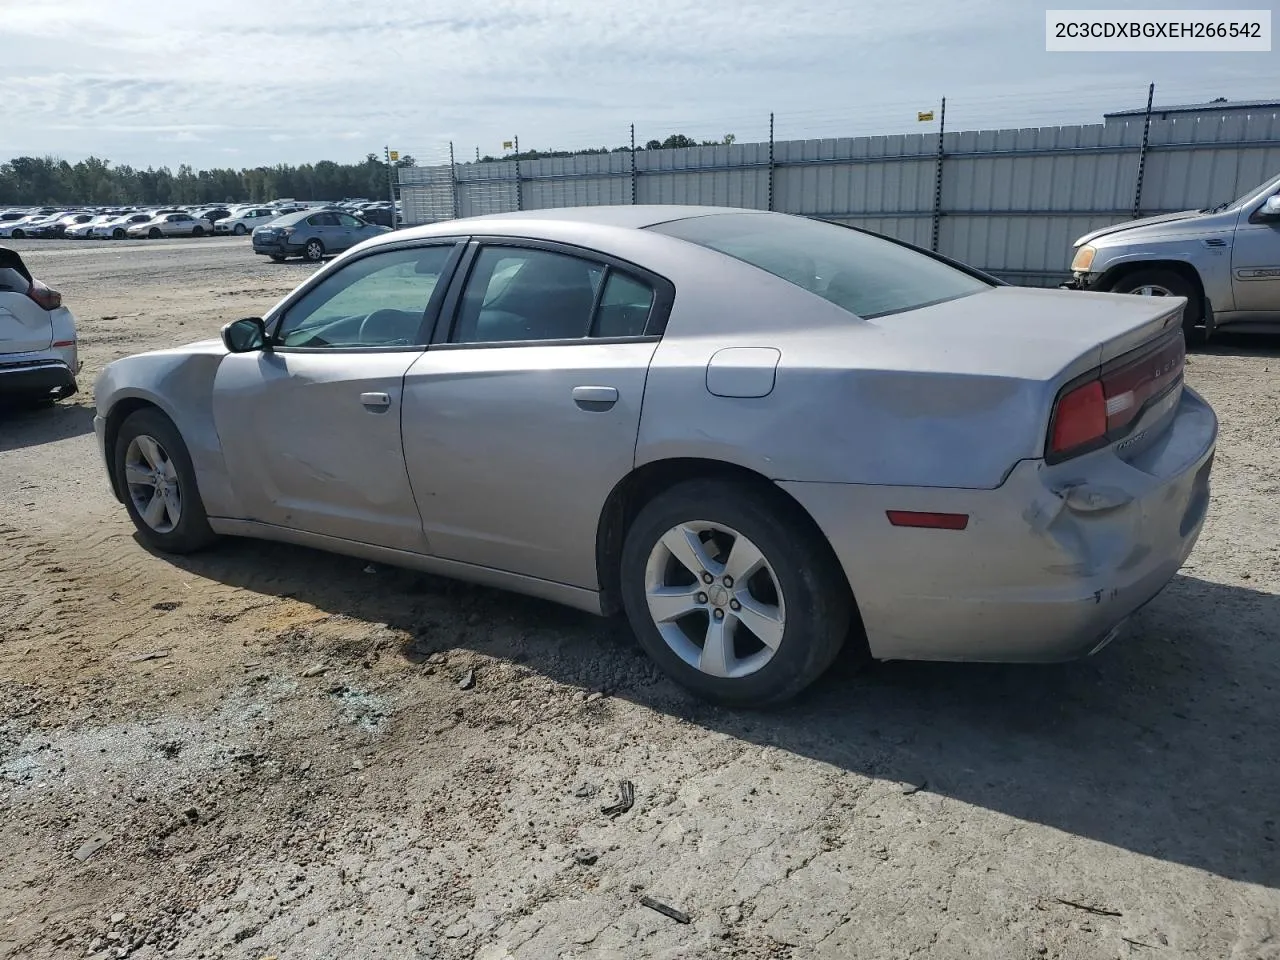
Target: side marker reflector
931, 521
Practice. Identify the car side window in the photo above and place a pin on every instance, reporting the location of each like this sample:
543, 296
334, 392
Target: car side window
518, 294
624, 307
375, 301
349, 221
323, 220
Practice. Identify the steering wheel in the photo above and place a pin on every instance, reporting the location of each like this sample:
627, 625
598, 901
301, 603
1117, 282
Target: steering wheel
392, 323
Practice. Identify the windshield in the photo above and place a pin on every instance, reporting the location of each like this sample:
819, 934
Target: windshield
1243, 198
867, 275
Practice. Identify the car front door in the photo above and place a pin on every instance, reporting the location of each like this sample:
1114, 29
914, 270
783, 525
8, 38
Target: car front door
310, 427
523, 416
1255, 262
352, 230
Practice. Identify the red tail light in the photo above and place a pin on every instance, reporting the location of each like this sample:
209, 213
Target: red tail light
1101, 410
1079, 419
44, 295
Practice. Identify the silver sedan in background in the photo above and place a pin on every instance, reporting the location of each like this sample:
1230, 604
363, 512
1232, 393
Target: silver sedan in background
170, 225
764, 437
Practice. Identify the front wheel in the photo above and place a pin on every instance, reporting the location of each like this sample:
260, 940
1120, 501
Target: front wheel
198, 232
313, 251
733, 592
18, 234
117, 234
1163, 282
154, 233
154, 472
240, 230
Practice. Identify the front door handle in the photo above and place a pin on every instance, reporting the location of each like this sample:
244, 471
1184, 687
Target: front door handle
595, 399
375, 402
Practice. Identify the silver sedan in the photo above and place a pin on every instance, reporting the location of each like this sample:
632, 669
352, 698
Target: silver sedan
764, 437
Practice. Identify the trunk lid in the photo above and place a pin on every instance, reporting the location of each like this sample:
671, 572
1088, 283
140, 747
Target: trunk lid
1035, 334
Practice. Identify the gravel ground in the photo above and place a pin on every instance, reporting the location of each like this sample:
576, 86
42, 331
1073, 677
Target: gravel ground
268, 751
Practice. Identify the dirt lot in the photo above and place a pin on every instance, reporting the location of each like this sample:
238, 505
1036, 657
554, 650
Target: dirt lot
297, 772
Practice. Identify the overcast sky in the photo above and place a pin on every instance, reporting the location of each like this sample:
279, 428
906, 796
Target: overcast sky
249, 82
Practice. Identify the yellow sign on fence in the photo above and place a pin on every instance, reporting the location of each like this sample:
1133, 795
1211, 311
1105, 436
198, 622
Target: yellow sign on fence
395, 155
924, 115
506, 144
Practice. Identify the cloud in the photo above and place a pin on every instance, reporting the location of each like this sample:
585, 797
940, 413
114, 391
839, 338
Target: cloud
294, 81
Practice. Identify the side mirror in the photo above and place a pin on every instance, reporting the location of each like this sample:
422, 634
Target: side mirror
245, 335
1269, 210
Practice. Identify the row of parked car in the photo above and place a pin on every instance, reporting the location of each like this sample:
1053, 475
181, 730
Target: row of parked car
175, 221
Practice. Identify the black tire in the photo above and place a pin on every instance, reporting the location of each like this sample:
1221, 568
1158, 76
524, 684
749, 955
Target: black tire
154, 233
192, 531
1177, 285
198, 232
313, 251
18, 234
240, 230
819, 606
117, 234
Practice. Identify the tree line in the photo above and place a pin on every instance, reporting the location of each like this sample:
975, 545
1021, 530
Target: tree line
29, 181
32, 181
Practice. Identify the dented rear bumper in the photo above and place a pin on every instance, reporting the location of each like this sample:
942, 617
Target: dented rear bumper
1050, 563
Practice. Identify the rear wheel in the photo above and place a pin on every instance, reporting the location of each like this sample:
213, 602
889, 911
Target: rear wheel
154, 233
733, 593
154, 472
18, 234
1163, 282
240, 230
314, 250
117, 234
198, 232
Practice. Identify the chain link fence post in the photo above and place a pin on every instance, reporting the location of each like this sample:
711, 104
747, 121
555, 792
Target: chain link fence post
519, 181
937, 179
453, 183
1142, 153
633, 163
771, 165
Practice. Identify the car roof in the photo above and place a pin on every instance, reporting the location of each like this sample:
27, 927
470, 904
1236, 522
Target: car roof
551, 224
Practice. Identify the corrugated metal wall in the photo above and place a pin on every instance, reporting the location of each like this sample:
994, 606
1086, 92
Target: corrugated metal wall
1011, 201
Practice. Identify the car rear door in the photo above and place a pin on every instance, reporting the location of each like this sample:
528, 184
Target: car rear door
310, 429
523, 416
25, 326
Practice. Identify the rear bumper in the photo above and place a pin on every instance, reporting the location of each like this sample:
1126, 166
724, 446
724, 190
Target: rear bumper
278, 248
1050, 564
37, 378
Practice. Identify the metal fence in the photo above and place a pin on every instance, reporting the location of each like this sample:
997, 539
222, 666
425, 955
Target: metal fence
1008, 201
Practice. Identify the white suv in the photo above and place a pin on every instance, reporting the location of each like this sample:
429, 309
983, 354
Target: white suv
38, 356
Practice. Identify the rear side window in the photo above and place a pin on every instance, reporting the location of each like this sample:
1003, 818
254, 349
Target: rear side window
867, 275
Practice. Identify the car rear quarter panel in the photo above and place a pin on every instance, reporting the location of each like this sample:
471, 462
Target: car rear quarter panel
180, 383
854, 401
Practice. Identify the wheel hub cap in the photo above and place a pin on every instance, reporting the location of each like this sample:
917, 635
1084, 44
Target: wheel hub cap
715, 599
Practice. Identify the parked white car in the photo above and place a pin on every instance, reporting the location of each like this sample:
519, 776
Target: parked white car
171, 225
117, 228
83, 231
20, 229
243, 221
38, 356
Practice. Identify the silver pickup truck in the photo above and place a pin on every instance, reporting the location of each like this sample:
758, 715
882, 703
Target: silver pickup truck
1224, 260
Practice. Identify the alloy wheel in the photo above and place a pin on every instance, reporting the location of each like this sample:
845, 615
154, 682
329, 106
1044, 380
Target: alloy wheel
1151, 290
715, 599
152, 479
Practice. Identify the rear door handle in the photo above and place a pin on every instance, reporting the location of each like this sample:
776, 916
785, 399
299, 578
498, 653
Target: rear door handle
375, 402
595, 399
